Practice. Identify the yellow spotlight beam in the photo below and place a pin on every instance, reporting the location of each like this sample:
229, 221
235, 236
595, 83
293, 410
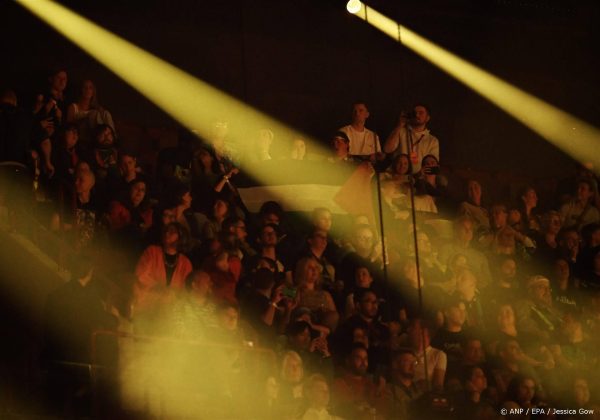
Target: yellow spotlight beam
575, 137
192, 102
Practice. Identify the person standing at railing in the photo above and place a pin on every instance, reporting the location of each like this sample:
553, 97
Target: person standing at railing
363, 142
412, 131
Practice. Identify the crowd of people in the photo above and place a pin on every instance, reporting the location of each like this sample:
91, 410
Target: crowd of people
503, 312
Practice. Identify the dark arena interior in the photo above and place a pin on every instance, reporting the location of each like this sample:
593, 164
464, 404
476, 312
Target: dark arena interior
299, 209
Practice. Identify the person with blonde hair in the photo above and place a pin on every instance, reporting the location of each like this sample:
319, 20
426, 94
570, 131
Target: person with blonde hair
308, 279
291, 389
262, 145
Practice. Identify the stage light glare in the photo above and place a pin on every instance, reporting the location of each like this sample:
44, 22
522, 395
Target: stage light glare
550, 122
354, 6
191, 101
197, 105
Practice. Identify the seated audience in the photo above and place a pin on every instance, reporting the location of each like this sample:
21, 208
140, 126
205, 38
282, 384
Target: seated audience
311, 295
161, 269
317, 398
291, 388
194, 311
537, 319
581, 210
477, 262
87, 113
432, 363
362, 280
356, 394
366, 317
260, 304
298, 149
212, 227
452, 337
67, 154
311, 346
521, 393
473, 207
526, 219
224, 271
340, 144
475, 402
402, 392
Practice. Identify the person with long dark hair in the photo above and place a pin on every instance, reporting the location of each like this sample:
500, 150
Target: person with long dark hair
522, 393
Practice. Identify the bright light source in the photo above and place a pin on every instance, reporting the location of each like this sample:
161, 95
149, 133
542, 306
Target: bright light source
553, 124
354, 6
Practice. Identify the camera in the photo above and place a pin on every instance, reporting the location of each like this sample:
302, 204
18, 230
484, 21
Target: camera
432, 170
289, 292
409, 115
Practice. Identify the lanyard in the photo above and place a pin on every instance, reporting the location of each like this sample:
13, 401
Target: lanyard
416, 143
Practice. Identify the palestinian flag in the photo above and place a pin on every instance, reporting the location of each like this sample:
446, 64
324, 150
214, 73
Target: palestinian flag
301, 186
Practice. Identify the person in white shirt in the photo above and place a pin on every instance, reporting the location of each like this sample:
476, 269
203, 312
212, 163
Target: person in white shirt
363, 142
419, 339
412, 137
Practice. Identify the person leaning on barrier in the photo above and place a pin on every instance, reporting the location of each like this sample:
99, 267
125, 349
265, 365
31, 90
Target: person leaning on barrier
363, 142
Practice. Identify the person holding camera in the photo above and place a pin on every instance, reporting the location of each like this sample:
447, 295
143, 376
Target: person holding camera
430, 182
411, 136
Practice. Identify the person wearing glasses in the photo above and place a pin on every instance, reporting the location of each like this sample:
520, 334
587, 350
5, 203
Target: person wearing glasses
366, 317
402, 390
536, 316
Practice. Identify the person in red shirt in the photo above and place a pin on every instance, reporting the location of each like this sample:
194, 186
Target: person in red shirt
161, 270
